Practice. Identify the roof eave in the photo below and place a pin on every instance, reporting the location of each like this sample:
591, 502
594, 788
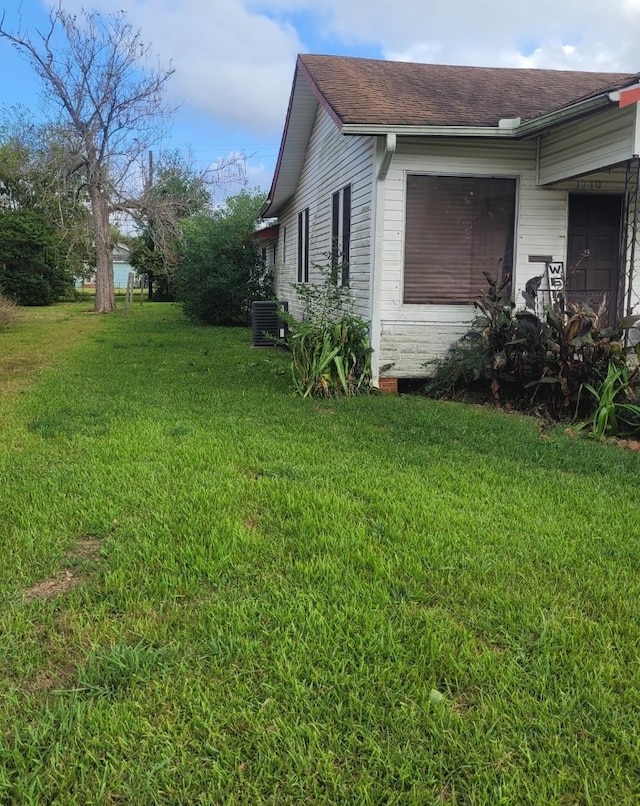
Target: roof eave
430, 131
277, 196
563, 115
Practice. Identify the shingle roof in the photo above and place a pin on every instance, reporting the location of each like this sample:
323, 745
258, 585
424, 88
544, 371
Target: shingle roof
368, 91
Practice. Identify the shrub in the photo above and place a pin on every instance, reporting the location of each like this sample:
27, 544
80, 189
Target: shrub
518, 356
8, 311
33, 269
221, 271
330, 349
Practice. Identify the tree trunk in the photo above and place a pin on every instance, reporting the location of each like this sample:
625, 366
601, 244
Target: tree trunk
105, 293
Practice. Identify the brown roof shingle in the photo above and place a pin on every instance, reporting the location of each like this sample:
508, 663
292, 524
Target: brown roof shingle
368, 91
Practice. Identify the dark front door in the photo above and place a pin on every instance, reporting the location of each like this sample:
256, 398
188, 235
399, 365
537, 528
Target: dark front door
594, 226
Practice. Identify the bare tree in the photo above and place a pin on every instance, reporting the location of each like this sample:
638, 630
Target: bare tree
96, 75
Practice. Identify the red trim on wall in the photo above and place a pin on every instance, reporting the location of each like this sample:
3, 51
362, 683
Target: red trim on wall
266, 233
628, 97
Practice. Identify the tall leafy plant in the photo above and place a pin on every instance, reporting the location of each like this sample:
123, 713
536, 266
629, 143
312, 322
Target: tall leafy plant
330, 347
617, 410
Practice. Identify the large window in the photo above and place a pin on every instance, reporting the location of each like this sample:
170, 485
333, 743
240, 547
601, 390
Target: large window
457, 227
341, 234
303, 246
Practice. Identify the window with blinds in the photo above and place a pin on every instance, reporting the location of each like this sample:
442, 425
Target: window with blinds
303, 246
456, 228
341, 234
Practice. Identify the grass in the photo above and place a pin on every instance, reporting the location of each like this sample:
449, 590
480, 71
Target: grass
215, 592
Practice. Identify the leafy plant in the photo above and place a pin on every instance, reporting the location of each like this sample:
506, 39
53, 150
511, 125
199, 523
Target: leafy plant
615, 410
330, 348
532, 360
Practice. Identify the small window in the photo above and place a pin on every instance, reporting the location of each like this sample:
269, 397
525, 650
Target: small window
284, 244
341, 234
457, 227
303, 246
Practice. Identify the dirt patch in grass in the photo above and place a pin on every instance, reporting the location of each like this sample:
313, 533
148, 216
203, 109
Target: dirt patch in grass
51, 679
86, 550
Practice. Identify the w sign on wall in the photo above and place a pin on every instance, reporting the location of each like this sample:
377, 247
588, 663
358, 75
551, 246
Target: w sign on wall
555, 278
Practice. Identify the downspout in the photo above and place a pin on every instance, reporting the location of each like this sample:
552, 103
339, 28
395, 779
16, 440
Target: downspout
378, 251
389, 151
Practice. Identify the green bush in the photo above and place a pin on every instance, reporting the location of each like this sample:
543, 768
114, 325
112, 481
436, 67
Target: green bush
221, 271
33, 268
330, 349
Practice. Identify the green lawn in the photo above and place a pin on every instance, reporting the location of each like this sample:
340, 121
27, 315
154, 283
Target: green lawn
214, 592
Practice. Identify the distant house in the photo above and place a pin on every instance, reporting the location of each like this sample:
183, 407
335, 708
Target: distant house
121, 266
121, 269
425, 176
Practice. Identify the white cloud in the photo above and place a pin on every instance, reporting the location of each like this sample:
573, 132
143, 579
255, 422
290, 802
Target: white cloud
234, 59
597, 35
234, 65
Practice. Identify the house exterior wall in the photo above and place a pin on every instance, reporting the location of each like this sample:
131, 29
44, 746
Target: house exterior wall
332, 161
413, 334
587, 145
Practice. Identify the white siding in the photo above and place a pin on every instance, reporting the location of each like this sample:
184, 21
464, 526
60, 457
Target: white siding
332, 161
587, 145
414, 334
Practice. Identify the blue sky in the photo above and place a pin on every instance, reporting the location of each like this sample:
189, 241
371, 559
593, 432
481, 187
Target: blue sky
234, 59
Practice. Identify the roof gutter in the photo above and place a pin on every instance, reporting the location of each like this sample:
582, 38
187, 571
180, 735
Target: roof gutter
567, 113
437, 131
507, 129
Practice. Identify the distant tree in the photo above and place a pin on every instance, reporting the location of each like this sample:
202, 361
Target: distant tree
36, 174
220, 270
33, 267
175, 191
109, 105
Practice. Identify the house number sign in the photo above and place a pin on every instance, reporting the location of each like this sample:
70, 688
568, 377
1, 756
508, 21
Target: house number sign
555, 278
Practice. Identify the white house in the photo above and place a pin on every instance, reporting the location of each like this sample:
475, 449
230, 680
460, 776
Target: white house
424, 176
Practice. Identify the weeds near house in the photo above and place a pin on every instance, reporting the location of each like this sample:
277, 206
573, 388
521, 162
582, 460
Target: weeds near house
330, 349
278, 601
8, 311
